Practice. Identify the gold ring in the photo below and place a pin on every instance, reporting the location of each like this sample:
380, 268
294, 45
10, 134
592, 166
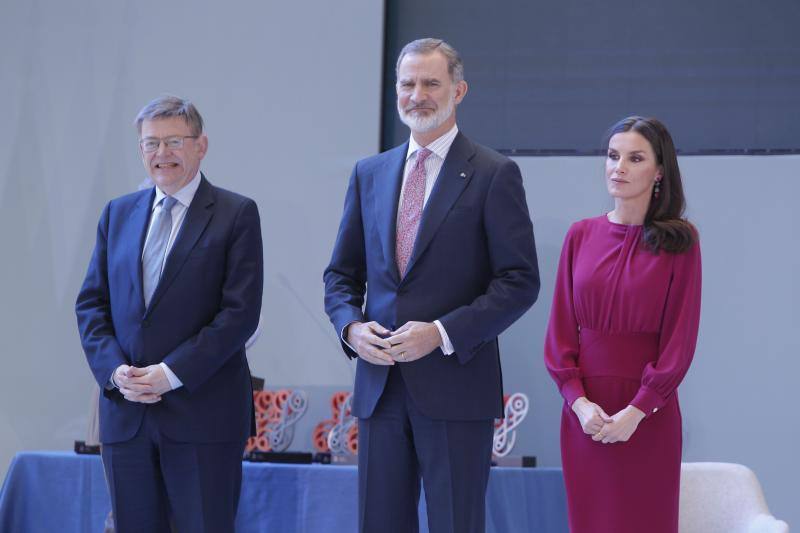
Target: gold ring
403, 355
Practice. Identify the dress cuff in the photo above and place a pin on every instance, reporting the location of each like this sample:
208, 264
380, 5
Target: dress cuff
572, 390
447, 346
174, 382
648, 401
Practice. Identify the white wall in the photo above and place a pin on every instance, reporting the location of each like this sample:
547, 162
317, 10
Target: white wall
290, 94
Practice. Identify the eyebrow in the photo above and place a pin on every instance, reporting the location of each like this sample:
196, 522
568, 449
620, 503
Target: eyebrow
633, 152
422, 80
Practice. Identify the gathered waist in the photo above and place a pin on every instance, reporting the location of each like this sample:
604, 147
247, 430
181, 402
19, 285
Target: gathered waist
616, 354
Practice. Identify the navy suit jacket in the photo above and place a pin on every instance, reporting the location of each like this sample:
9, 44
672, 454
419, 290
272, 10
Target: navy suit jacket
473, 267
205, 307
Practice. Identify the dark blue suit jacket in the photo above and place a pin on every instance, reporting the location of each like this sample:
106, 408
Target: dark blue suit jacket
204, 308
473, 267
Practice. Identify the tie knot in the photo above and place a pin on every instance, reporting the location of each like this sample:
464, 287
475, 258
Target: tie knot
422, 155
167, 203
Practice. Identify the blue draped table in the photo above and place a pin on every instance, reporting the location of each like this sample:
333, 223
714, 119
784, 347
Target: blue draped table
65, 492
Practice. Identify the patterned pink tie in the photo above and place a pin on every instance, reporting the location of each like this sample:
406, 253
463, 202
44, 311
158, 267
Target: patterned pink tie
410, 211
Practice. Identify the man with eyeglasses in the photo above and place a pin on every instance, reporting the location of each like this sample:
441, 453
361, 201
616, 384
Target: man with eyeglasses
171, 295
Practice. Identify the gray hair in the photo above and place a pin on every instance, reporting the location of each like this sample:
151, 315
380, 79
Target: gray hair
168, 106
455, 67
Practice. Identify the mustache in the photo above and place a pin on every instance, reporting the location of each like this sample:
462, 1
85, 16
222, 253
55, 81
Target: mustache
419, 106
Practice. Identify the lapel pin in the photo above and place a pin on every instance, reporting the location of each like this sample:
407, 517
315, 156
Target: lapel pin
463, 174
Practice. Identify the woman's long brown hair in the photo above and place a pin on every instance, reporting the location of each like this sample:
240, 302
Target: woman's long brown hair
665, 227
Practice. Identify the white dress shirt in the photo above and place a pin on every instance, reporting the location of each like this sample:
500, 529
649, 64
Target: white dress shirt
433, 165
183, 200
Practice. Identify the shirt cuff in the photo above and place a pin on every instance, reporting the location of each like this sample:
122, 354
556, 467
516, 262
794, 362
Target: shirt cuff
343, 338
447, 346
111, 385
174, 382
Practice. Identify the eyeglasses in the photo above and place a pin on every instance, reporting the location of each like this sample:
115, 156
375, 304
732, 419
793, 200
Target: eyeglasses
151, 144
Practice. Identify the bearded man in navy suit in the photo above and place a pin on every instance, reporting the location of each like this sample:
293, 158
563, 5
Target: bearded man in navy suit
434, 258
172, 293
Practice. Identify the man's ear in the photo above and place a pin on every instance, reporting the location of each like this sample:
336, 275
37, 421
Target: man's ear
461, 91
202, 144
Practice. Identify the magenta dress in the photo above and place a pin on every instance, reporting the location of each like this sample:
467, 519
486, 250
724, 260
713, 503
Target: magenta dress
622, 331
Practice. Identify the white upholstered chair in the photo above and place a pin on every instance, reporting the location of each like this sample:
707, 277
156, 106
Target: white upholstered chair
724, 498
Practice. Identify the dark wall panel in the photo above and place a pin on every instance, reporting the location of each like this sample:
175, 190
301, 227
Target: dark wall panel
551, 76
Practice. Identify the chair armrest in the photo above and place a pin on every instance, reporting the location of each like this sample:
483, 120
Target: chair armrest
766, 523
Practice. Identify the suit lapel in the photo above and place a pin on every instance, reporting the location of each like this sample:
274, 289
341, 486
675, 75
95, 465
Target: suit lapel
197, 218
453, 178
136, 232
387, 183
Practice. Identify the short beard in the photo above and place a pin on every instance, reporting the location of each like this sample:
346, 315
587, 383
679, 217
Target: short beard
431, 122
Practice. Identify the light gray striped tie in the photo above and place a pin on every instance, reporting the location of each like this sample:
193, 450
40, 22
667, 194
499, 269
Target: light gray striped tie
155, 248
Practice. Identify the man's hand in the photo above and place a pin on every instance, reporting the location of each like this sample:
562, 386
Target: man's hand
120, 374
621, 427
143, 385
590, 415
368, 342
414, 340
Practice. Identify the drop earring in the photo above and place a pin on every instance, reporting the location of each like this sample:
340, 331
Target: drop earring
657, 187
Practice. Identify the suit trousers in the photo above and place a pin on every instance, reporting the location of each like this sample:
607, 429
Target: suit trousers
153, 479
398, 445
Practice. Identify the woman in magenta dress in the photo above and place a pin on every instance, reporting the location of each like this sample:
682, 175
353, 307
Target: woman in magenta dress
621, 336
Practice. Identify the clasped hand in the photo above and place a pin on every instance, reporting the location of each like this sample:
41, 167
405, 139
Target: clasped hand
143, 385
603, 428
379, 346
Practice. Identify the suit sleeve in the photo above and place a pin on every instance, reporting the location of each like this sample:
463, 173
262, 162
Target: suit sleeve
561, 345
515, 273
197, 359
93, 311
678, 337
345, 277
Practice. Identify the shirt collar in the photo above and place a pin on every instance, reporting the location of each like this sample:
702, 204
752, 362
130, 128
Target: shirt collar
183, 196
440, 146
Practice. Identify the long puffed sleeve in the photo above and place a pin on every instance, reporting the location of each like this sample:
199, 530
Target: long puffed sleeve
561, 343
678, 335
